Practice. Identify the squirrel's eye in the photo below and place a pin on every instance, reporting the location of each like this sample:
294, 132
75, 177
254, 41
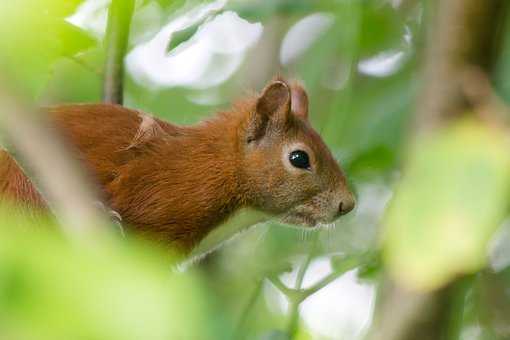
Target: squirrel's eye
299, 159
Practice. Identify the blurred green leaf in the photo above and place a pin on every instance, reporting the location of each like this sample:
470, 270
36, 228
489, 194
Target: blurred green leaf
52, 289
452, 197
371, 267
381, 28
72, 39
33, 34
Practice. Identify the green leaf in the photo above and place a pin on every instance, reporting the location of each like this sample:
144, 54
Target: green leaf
54, 289
185, 34
72, 39
452, 197
381, 28
33, 35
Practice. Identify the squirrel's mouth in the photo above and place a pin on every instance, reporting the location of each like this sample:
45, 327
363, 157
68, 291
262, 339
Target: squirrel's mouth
299, 219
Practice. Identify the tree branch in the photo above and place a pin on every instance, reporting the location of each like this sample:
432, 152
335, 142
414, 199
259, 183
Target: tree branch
464, 36
117, 37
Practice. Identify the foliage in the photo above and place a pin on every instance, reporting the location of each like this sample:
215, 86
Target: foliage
448, 189
451, 200
51, 289
33, 35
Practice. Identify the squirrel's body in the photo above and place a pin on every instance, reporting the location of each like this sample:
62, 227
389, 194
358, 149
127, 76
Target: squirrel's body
177, 183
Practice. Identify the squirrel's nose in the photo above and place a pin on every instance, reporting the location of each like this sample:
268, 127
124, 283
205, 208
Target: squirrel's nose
346, 205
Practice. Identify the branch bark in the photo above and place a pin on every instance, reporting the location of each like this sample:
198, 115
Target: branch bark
464, 35
117, 37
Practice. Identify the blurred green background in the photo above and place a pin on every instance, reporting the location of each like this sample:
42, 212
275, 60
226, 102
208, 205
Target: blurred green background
361, 63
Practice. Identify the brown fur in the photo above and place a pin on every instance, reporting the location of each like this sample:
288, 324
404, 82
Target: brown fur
15, 186
177, 183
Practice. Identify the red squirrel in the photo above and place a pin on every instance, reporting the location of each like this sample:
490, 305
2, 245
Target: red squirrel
177, 183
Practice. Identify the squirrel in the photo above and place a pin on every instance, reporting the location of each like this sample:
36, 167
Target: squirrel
177, 183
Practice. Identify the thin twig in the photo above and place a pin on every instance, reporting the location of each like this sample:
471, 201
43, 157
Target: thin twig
117, 36
295, 296
294, 302
325, 281
290, 294
302, 271
293, 318
299, 294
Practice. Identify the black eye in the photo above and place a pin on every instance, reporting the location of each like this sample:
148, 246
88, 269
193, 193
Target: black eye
299, 159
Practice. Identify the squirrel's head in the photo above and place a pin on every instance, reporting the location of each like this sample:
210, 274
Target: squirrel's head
288, 167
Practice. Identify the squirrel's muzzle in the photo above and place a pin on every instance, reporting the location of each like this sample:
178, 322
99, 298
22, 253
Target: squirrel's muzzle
346, 205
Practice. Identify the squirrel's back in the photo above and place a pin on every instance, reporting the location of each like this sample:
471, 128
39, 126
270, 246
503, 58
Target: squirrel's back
85, 127
104, 136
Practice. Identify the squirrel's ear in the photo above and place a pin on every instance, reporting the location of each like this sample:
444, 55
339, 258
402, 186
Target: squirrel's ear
299, 101
275, 101
272, 109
